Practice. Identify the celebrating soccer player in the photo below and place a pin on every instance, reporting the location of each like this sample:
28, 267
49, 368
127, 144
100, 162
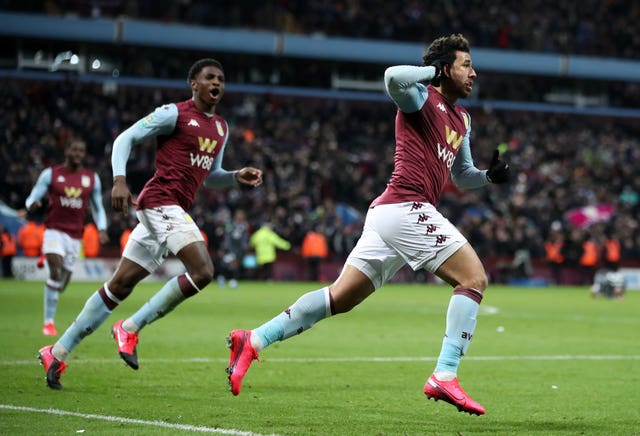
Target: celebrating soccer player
70, 188
191, 141
403, 225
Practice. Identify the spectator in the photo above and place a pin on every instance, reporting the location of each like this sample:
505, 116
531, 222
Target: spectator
265, 241
555, 175
553, 248
30, 237
91, 240
9, 250
611, 253
314, 250
235, 246
589, 259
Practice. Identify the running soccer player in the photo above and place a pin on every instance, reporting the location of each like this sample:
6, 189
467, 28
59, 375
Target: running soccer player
191, 141
403, 225
70, 188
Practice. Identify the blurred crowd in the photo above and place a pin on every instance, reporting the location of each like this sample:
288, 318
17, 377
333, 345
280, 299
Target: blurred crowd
326, 159
586, 28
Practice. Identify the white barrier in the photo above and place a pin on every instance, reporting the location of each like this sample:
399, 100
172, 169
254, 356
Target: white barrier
632, 278
90, 270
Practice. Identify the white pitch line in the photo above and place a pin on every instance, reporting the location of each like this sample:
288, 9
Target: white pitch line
119, 419
337, 359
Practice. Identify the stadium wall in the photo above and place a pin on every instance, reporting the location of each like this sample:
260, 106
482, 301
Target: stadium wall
291, 267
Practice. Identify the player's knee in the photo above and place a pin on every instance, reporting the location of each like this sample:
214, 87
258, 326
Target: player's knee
55, 273
120, 288
203, 276
479, 282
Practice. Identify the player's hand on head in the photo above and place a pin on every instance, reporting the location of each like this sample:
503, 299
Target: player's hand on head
499, 171
250, 176
35, 206
437, 64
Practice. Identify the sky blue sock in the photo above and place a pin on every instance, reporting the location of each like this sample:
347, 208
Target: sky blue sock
92, 315
461, 324
51, 297
163, 302
304, 313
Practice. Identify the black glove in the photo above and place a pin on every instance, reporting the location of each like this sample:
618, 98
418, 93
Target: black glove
435, 81
498, 171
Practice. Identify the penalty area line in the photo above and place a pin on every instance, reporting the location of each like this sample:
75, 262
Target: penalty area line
122, 420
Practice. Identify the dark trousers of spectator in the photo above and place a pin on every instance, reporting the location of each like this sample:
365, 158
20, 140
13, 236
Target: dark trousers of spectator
556, 272
587, 273
265, 271
313, 268
7, 272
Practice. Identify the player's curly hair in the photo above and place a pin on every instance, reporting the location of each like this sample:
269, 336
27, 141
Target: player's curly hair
199, 65
443, 49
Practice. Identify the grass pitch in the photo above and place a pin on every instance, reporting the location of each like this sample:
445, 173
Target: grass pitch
543, 361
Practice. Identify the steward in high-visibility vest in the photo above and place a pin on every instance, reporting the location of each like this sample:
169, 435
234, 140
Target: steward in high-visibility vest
314, 244
9, 250
30, 237
612, 253
9, 246
553, 251
590, 254
91, 240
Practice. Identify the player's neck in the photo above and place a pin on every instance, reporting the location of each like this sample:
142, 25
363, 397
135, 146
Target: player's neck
207, 109
446, 95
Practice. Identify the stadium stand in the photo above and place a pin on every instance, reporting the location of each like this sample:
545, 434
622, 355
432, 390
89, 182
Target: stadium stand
564, 163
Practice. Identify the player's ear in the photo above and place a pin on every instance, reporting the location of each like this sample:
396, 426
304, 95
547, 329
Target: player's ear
446, 70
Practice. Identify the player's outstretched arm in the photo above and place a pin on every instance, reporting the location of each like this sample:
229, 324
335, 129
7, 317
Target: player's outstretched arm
499, 171
34, 200
249, 176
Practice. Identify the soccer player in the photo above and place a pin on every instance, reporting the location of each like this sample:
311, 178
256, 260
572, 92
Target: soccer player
70, 188
191, 139
403, 225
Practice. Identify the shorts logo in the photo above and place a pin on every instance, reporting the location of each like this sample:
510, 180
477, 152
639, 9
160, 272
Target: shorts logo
423, 217
431, 228
441, 239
